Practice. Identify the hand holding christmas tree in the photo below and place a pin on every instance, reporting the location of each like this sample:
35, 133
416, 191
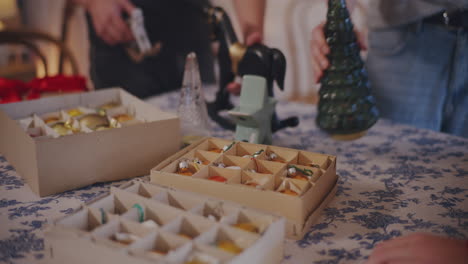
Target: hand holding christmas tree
346, 108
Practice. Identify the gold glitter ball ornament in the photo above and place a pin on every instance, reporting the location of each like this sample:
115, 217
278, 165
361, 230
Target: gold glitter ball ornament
52, 119
123, 118
102, 128
102, 109
108, 106
61, 128
74, 112
93, 121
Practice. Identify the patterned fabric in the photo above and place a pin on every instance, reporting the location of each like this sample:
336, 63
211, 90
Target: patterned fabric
394, 181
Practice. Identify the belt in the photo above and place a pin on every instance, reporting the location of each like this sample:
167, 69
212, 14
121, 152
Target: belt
453, 20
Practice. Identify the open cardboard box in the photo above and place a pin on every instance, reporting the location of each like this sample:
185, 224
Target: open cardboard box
269, 177
53, 165
186, 226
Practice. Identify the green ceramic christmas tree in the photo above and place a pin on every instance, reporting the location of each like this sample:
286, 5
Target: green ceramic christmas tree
346, 108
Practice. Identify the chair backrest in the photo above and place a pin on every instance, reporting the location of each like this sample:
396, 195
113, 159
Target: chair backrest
29, 38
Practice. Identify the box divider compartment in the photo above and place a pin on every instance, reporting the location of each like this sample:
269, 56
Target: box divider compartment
201, 253
157, 245
82, 222
236, 161
222, 237
266, 200
282, 155
209, 211
118, 233
214, 145
154, 210
257, 180
137, 239
178, 201
151, 189
249, 221
312, 159
160, 215
298, 187
139, 188
174, 167
230, 176
316, 172
110, 204
246, 150
268, 167
177, 155
206, 156
188, 227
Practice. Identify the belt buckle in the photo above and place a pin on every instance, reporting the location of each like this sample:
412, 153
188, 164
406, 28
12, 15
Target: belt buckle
446, 17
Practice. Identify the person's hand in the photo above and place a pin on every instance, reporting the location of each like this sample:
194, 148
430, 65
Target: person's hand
107, 19
319, 50
251, 38
234, 87
420, 248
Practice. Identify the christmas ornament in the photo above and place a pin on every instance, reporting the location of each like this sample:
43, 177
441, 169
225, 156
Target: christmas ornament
346, 108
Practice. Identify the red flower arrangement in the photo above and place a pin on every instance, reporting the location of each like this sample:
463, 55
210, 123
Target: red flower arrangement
14, 90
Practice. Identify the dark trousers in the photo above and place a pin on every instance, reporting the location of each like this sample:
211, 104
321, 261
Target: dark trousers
180, 27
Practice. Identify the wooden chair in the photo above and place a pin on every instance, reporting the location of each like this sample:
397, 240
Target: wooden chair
29, 39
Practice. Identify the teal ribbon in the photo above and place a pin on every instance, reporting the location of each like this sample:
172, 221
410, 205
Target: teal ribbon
230, 146
103, 216
306, 172
141, 212
257, 153
315, 165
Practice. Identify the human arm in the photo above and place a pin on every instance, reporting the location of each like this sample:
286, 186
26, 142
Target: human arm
420, 248
251, 14
107, 19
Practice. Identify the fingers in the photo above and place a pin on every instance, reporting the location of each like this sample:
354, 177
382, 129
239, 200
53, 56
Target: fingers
127, 6
362, 41
234, 88
113, 30
112, 35
319, 50
253, 38
390, 251
318, 38
320, 57
406, 262
318, 72
401, 249
100, 28
108, 22
124, 32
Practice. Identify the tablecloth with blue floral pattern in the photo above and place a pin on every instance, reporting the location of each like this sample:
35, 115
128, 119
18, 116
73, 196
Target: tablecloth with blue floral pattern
394, 181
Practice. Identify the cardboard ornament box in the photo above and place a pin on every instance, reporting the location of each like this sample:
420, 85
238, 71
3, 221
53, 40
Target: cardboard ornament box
143, 223
51, 163
267, 178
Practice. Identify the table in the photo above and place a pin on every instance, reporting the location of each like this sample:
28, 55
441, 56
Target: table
396, 180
